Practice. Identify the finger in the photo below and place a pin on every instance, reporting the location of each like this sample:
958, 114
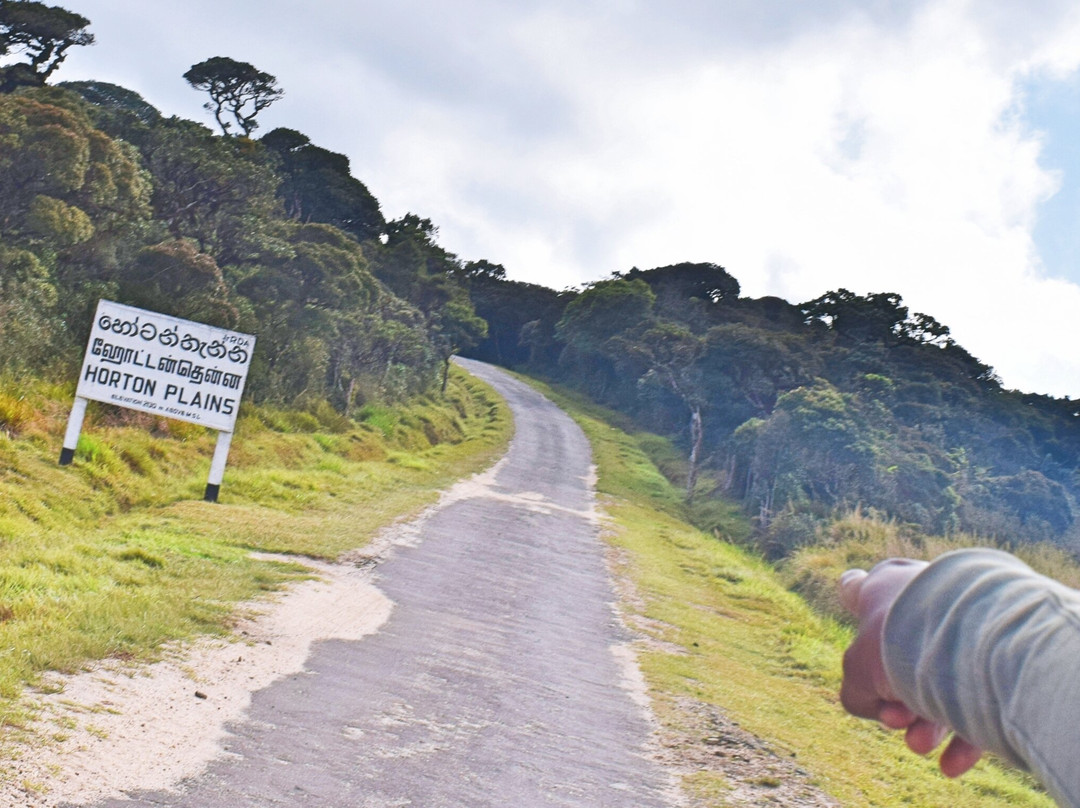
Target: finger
923, 736
859, 692
850, 585
958, 757
896, 715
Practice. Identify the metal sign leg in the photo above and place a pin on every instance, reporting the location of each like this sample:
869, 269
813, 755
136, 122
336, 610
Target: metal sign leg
217, 466
74, 427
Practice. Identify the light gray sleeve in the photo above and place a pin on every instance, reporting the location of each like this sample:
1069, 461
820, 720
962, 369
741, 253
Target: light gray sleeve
981, 643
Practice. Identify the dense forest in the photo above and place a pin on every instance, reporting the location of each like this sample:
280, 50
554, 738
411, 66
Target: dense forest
796, 412
801, 412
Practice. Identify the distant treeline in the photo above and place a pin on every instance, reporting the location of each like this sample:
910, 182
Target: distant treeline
801, 412
798, 412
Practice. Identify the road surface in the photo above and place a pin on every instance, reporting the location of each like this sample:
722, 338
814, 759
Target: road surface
495, 681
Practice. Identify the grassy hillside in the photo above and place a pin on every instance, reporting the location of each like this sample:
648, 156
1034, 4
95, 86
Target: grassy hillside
117, 554
744, 673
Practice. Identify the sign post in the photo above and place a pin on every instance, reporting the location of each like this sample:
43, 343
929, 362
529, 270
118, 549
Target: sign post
74, 427
217, 466
165, 366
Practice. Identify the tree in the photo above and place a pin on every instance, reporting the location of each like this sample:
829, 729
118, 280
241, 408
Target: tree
874, 317
236, 88
115, 98
508, 307
604, 310
922, 329
456, 327
412, 228
413, 264
218, 191
747, 368
482, 270
27, 310
173, 277
62, 181
73, 204
317, 186
818, 446
880, 317
671, 353
417, 269
329, 328
709, 282
44, 33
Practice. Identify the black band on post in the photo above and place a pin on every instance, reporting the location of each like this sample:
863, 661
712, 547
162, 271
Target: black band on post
66, 456
211, 492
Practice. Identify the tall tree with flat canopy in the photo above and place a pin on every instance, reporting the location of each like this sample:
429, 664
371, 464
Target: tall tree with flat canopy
44, 33
236, 88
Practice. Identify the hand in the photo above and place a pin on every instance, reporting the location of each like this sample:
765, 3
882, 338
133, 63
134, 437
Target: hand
866, 691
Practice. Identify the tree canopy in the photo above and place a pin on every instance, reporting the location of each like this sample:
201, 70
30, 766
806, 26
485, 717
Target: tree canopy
237, 89
801, 411
318, 186
43, 34
100, 196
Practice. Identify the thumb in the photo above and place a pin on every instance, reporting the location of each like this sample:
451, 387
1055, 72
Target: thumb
850, 586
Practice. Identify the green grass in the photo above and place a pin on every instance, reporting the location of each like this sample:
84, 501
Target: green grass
117, 554
725, 633
858, 540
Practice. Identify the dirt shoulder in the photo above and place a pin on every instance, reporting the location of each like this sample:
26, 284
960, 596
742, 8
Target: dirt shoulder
117, 727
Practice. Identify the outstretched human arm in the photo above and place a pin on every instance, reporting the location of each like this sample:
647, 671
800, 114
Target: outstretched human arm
867, 690
976, 643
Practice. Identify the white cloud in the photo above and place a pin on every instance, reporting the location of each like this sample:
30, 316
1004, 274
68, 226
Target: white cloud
803, 146
874, 158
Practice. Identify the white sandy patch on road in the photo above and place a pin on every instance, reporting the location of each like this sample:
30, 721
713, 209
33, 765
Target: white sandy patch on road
124, 728
485, 485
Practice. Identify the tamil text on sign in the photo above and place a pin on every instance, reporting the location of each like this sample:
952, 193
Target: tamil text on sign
166, 366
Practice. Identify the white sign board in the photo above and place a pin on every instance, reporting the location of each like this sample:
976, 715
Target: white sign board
166, 366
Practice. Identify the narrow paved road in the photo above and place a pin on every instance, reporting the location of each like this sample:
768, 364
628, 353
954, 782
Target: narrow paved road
493, 683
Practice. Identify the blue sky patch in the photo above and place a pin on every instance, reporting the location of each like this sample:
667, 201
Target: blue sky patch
1052, 106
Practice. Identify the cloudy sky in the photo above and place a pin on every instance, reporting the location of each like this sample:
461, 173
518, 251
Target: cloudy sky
925, 147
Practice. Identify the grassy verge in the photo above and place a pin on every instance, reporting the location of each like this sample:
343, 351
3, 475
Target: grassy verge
726, 637
858, 540
118, 554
